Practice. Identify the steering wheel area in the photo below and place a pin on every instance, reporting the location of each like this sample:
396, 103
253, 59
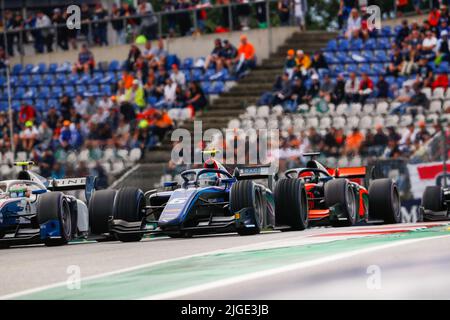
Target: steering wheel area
187, 176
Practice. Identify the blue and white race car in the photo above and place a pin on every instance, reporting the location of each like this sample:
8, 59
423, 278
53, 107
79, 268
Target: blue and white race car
35, 210
210, 200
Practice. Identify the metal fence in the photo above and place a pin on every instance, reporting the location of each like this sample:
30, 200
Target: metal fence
204, 20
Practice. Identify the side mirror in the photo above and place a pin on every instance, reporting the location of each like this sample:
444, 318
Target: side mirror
170, 185
41, 191
228, 180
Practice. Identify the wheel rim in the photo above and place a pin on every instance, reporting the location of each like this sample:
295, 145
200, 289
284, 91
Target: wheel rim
66, 221
258, 208
303, 207
351, 205
396, 204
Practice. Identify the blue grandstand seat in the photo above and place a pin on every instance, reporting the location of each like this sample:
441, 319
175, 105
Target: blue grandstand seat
217, 87
386, 31
106, 90
356, 45
332, 45
56, 92
44, 93
16, 104
369, 56
381, 56
206, 86
25, 80
108, 78
208, 74
365, 68
19, 92
114, 66
331, 58
81, 89
352, 68
84, 79
343, 57
378, 68
384, 44
197, 74
94, 89
344, 45
17, 68
40, 105
31, 93
70, 91
370, 44
72, 79
36, 80
48, 80
95, 79
52, 68
27, 69
170, 60
2, 81
3, 105
41, 68
187, 63
53, 103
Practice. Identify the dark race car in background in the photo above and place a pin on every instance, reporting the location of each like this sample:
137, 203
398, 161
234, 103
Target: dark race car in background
337, 196
210, 200
435, 204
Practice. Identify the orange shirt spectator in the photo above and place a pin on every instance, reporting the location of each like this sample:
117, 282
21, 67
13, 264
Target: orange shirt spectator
434, 17
127, 79
246, 48
164, 121
354, 141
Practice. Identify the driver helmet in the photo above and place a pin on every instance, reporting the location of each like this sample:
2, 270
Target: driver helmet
19, 192
210, 178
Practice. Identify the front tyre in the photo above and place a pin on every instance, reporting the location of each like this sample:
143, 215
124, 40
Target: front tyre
129, 205
101, 208
291, 204
53, 208
433, 199
340, 192
384, 201
244, 194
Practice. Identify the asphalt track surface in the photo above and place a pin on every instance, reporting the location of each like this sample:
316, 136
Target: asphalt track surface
408, 261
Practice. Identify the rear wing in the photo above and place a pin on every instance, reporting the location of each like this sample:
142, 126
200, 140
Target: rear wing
72, 184
253, 173
351, 173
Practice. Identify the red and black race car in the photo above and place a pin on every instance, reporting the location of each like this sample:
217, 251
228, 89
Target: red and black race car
338, 197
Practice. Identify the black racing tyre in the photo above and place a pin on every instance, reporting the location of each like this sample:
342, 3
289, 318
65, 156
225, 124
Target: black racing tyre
244, 194
291, 204
54, 206
433, 199
101, 210
129, 204
384, 201
340, 191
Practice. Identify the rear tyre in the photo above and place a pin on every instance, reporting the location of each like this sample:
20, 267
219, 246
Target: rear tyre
244, 194
128, 206
433, 199
52, 206
101, 210
384, 201
340, 192
291, 204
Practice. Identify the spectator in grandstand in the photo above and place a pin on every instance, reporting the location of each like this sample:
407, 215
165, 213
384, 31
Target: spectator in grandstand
86, 17
86, 62
118, 24
314, 89
149, 23
65, 106
246, 58
352, 89
289, 62
52, 117
46, 161
300, 11
441, 80
382, 88
327, 88
100, 27
136, 95
284, 90
28, 136
365, 88
429, 45
410, 63
319, 63
196, 98
61, 30
403, 33
353, 142
353, 24
161, 125
229, 54
418, 98
339, 90
298, 94
284, 11
303, 63
133, 54
215, 55
396, 64
27, 113
443, 47
130, 25
424, 72
43, 36
433, 17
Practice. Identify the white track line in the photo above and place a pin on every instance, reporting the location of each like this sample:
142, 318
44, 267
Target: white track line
125, 175
292, 267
